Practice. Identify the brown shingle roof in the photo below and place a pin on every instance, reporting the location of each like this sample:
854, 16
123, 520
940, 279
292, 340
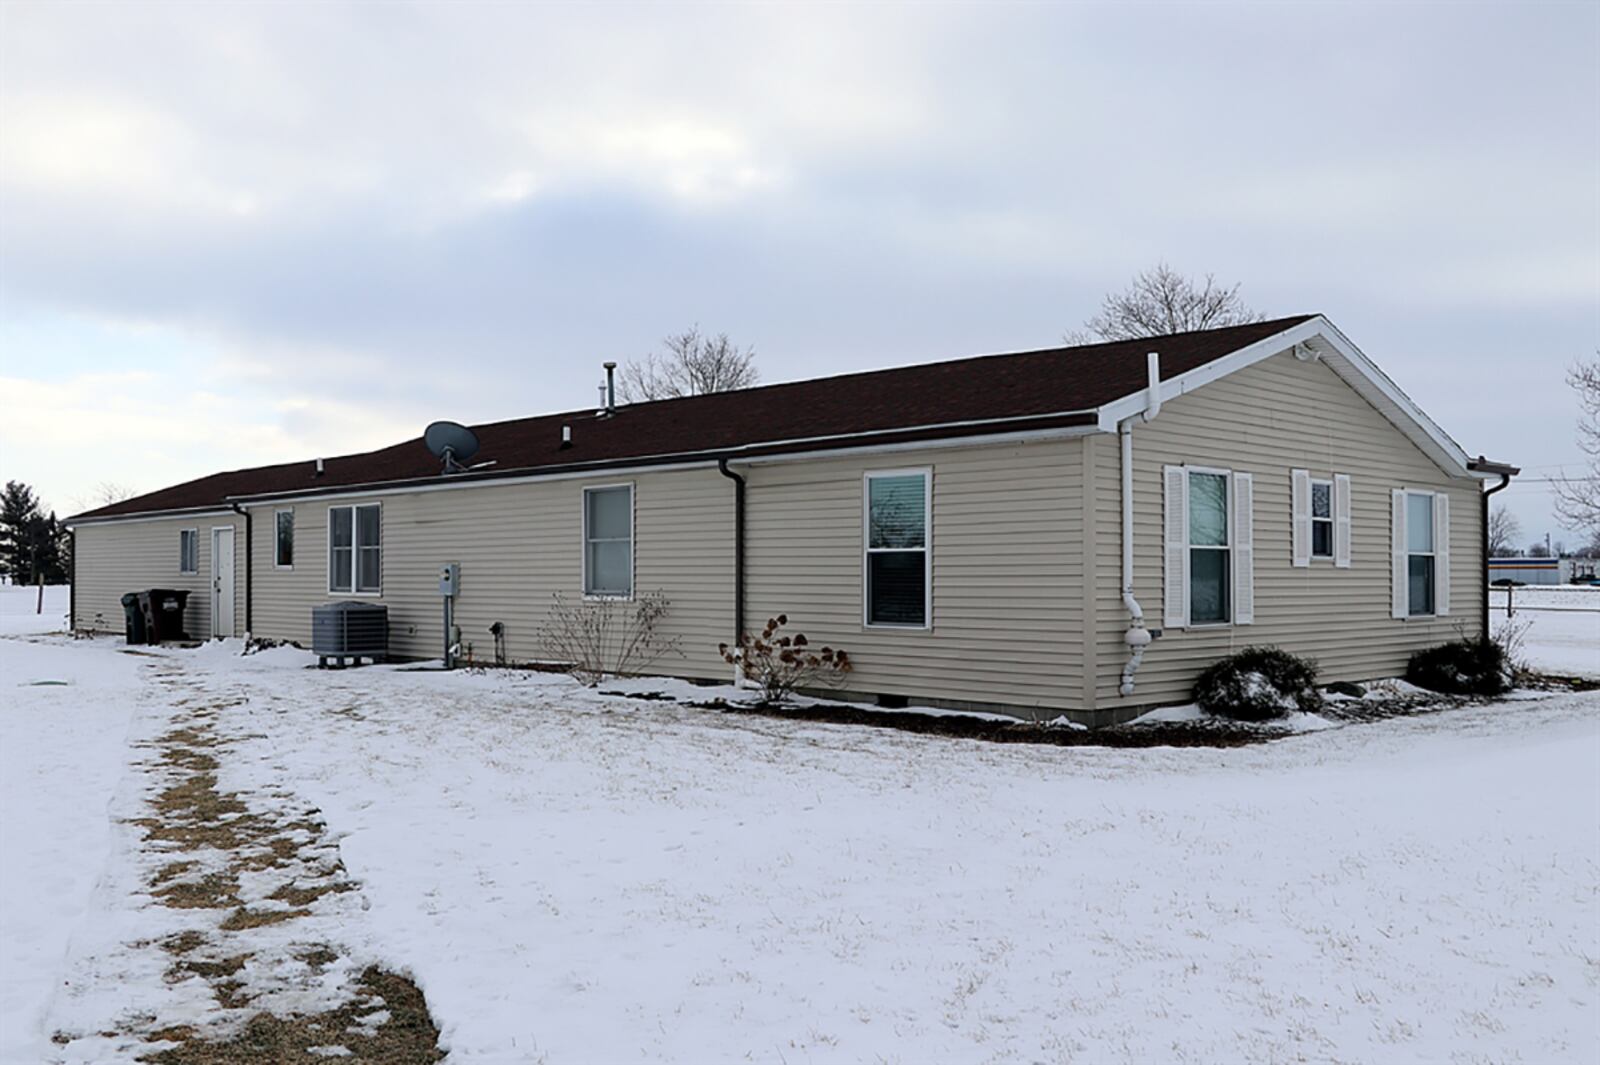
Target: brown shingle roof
1056, 386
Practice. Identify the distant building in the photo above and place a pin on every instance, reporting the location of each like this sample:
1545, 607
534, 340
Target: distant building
1543, 570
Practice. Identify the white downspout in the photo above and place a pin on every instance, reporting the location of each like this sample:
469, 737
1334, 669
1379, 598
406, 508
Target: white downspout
1137, 637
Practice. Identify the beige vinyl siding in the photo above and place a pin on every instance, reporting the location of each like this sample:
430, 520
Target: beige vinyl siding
1007, 576
131, 556
1279, 415
517, 545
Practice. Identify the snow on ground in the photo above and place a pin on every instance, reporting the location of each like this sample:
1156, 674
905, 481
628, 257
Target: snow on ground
19, 609
573, 877
64, 716
1562, 622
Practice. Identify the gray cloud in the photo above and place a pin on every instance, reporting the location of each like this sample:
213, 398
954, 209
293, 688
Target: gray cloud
349, 218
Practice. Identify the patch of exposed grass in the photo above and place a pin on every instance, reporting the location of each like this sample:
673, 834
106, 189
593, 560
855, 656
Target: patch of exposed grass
171, 870
244, 917
408, 1037
318, 957
183, 943
305, 896
214, 891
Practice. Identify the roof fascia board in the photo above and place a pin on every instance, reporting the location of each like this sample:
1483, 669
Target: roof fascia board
384, 489
1018, 437
1349, 362
150, 515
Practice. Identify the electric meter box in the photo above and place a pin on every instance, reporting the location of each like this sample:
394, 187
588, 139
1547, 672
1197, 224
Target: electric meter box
450, 579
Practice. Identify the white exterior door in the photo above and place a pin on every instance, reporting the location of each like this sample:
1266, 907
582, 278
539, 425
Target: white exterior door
222, 580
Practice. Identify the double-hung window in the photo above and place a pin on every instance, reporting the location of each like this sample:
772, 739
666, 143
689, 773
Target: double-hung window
283, 539
1421, 568
189, 551
1209, 548
1209, 540
608, 541
1321, 518
1421, 543
355, 549
897, 563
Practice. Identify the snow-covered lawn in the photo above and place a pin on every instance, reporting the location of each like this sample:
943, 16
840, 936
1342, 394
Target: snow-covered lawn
20, 613
576, 877
1562, 622
64, 719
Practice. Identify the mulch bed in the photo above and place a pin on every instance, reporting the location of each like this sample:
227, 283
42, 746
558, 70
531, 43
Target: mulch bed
1209, 732
960, 726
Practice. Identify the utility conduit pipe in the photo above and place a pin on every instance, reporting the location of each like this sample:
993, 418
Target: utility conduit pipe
1138, 636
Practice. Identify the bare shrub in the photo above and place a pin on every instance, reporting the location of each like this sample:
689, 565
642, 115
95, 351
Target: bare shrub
1511, 635
780, 664
607, 637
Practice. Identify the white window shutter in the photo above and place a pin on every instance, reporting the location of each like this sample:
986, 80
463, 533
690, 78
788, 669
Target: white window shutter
1175, 526
1300, 503
1441, 554
1244, 550
1341, 520
1400, 605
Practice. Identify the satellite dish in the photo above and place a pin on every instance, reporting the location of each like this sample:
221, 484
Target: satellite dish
451, 442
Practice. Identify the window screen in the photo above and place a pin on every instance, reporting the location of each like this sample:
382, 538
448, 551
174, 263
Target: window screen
283, 542
1419, 553
1322, 519
1208, 548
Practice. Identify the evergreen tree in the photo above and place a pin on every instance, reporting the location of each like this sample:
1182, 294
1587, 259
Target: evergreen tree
32, 543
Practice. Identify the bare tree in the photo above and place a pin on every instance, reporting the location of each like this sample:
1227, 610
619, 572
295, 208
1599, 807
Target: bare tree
1577, 498
104, 494
1537, 549
1161, 302
1504, 529
693, 365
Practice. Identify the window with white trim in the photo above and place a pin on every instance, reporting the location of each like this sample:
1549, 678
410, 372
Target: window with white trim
1321, 518
1210, 554
897, 565
608, 541
355, 549
188, 551
283, 539
1421, 557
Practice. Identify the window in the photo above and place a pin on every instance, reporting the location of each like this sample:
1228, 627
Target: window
897, 558
1321, 519
283, 539
1208, 548
1420, 556
355, 549
608, 541
189, 551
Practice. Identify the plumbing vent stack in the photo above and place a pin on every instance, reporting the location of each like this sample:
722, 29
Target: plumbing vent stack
611, 387
1152, 405
319, 467
566, 436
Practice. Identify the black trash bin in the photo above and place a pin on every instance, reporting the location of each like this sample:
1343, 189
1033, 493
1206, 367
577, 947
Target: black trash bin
163, 612
133, 619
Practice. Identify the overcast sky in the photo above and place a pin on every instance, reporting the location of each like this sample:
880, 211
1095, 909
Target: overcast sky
234, 234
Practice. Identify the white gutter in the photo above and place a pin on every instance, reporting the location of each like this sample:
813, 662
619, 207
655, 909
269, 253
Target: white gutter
1137, 637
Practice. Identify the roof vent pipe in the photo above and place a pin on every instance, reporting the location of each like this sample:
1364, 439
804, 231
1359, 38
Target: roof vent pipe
319, 467
1152, 402
611, 387
566, 436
